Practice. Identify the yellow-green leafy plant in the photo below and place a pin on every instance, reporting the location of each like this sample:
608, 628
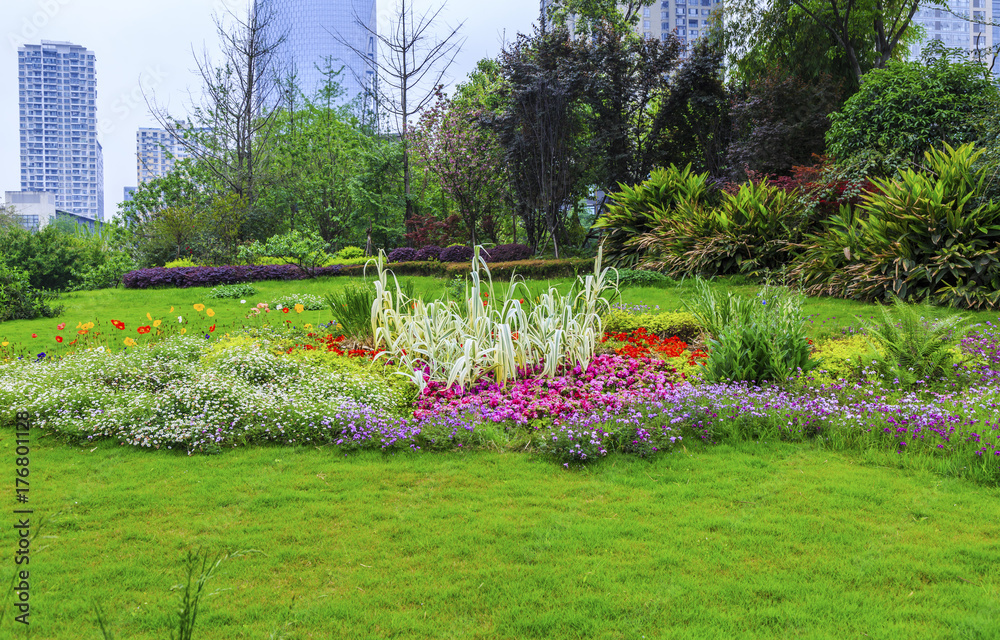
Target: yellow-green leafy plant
484, 334
843, 359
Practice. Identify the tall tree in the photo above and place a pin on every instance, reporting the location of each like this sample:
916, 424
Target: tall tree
588, 16
410, 66
231, 131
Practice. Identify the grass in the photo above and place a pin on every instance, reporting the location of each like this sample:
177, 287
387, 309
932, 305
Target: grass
761, 541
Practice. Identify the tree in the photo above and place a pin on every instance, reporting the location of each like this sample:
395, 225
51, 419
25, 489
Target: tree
907, 108
467, 159
625, 79
409, 70
231, 132
589, 16
542, 129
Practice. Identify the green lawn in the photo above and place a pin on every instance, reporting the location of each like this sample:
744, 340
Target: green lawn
826, 316
762, 541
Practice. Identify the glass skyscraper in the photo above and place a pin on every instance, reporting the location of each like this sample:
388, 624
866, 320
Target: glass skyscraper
315, 30
57, 103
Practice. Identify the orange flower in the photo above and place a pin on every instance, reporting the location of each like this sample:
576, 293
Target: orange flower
171, 309
143, 330
81, 332
88, 326
129, 342
4, 343
210, 313
118, 324
199, 307
148, 317
157, 323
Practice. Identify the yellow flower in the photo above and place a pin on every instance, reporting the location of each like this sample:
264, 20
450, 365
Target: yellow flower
299, 308
89, 326
149, 317
156, 323
210, 313
183, 330
199, 307
171, 309
308, 325
4, 343
129, 342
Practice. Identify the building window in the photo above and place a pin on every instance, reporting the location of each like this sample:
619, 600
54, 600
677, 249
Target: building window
645, 12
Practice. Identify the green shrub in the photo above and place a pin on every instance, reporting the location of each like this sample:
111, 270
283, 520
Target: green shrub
243, 290
352, 308
307, 251
182, 262
19, 300
683, 325
843, 359
927, 235
107, 275
642, 278
756, 339
904, 109
350, 253
637, 210
914, 349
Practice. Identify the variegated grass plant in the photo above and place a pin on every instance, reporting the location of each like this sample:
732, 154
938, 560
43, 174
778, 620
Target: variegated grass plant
486, 335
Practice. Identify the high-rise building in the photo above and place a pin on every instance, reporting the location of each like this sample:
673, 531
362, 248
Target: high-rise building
688, 19
955, 32
156, 152
57, 100
317, 30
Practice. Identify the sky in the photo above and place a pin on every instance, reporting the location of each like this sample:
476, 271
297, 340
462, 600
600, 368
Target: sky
147, 47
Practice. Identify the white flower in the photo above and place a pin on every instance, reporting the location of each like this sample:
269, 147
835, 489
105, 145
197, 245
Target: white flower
243, 301
278, 307
180, 318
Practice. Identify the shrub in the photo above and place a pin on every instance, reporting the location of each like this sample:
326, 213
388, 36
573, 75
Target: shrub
307, 251
507, 253
182, 262
643, 278
430, 252
683, 325
350, 253
403, 254
456, 253
233, 291
752, 339
913, 348
183, 277
928, 235
106, 275
19, 300
352, 308
639, 209
904, 109
843, 359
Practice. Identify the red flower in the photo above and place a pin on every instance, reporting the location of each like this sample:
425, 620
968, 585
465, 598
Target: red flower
285, 310
145, 329
58, 338
210, 329
60, 326
118, 324
34, 335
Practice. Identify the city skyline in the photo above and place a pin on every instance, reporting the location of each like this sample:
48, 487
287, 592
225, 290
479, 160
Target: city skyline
150, 50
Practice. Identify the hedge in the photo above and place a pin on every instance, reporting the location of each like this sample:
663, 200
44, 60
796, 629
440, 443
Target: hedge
183, 277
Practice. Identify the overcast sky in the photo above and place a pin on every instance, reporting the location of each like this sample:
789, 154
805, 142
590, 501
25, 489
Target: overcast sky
147, 45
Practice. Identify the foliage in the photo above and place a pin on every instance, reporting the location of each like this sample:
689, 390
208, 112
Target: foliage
637, 210
429, 252
107, 274
642, 278
183, 262
307, 251
352, 307
402, 254
590, 17
508, 253
307, 301
233, 291
182, 277
21, 301
927, 235
485, 336
458, 253
779, 122
843, 359
350, 253
682, 325
903, 110
915, 350
752, 339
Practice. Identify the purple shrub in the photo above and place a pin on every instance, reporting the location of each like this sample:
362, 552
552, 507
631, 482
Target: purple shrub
458, 253
430, 252
507, 253
402, 254
182, 277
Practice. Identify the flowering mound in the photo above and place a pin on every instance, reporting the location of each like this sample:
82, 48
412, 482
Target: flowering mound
642, 344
